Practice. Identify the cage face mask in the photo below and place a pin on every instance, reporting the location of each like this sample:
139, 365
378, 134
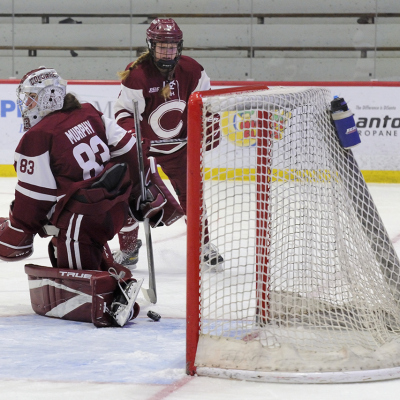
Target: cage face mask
164, 30
39, 93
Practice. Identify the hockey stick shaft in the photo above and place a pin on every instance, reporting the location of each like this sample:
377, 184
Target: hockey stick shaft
150, 294
139, 148
168, 141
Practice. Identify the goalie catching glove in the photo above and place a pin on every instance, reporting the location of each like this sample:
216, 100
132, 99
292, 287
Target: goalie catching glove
160, 206
15, 244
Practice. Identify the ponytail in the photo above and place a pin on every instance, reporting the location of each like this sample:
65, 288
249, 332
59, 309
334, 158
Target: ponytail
70, 102
164, 92
123, 75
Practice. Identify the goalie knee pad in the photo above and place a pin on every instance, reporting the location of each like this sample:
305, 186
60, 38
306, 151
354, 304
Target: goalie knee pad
85, 296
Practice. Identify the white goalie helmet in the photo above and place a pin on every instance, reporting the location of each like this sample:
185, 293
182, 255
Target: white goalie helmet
40, 92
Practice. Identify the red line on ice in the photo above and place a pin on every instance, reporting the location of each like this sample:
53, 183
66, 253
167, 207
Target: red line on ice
396, 239
162, 394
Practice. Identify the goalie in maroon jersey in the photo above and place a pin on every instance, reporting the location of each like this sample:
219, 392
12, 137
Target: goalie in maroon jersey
162, 80
77, 178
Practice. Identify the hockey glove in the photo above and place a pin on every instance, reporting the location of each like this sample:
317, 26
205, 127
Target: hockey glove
15, 244
159, 206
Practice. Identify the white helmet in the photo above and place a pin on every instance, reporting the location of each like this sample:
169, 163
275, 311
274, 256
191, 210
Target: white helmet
39, 93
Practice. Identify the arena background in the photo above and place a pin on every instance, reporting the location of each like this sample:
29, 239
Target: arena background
350, 47
376, 108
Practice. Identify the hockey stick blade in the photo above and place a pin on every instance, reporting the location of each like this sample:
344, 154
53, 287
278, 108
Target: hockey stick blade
150, 295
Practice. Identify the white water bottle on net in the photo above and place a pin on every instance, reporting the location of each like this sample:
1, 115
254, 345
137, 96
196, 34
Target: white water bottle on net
310, 286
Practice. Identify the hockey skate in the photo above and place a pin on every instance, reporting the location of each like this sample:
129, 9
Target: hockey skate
128, 259
213, 261
122, 307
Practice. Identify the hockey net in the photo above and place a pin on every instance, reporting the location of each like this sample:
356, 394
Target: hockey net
310, 286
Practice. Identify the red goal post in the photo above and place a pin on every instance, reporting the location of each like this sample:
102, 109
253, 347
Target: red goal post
194, 188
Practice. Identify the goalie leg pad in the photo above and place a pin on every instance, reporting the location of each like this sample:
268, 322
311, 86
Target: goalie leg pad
84, 296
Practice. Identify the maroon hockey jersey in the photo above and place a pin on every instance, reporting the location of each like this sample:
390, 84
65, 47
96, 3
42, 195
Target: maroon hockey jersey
63, 148
160, 118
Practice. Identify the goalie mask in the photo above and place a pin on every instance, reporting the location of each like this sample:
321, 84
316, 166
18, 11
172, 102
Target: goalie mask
164, 30
39, 93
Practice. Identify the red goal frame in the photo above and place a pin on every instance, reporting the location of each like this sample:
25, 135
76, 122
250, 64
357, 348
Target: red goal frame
194, 204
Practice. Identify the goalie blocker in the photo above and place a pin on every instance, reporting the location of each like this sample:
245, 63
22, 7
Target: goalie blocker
103, 298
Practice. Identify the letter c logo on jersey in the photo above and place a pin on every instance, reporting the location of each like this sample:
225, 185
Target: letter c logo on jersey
166, 120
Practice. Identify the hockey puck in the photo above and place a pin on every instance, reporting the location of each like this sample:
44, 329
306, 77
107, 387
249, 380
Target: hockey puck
154, 316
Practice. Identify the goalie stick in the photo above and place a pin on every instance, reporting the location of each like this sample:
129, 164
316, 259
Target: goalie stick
150, 294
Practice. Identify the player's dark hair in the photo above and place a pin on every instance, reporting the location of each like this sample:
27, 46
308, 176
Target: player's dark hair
71, 102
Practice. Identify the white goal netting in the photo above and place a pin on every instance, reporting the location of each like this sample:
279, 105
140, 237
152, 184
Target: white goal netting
311, 280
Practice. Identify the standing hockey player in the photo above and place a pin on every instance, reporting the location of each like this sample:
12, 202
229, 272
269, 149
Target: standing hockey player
77, 175
161, 80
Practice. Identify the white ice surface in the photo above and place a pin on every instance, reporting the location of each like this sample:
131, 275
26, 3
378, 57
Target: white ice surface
44, 358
